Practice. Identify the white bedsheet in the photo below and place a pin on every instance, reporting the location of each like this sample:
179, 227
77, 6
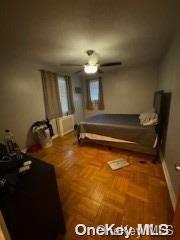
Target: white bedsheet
108, 139
102, 138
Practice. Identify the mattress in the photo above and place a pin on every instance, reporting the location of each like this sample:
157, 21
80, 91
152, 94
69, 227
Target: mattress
125, 127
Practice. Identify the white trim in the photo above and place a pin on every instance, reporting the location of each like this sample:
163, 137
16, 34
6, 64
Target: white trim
60, 127
71, 130
168, 181
103, 138
55, 136
25, 149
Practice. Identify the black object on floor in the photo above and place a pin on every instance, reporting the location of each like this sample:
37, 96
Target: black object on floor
33, 210
143, 162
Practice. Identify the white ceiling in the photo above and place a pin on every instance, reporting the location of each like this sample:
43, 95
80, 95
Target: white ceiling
52, 32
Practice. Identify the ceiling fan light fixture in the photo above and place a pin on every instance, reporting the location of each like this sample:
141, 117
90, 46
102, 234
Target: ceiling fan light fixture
90, 69
93, 59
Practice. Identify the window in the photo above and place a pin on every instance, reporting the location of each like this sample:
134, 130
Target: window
63, 95
94, 90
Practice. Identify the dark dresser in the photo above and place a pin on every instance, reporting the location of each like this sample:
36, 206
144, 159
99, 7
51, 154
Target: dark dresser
30, 205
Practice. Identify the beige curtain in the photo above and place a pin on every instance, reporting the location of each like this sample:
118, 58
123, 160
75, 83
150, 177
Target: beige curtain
89, 103
69, 94
51, 94
101, 98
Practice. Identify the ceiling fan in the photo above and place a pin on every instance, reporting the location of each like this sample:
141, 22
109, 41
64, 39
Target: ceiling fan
92, 66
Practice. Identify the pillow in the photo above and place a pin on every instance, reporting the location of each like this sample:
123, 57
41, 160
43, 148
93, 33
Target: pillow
146, 114
151, 122
148, 118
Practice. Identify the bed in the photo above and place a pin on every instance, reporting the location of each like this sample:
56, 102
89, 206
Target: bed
123, 130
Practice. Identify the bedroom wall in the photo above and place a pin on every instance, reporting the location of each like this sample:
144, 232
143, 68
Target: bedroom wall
127, 90
78, 99
21, 99
169, 80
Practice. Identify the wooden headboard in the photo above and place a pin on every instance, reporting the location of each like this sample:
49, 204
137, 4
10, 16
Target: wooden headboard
158, 107
158, 101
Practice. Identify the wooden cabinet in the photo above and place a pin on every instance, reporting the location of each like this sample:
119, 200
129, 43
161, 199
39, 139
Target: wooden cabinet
34, 211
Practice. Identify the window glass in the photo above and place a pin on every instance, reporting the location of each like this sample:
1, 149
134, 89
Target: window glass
63, 95
94, 90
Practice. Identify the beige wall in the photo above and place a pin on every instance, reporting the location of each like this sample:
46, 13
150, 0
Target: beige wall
169, 80
128, 90
21, 96
78, 99
21, 99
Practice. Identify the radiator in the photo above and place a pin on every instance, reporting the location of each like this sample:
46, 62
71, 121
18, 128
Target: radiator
65, 125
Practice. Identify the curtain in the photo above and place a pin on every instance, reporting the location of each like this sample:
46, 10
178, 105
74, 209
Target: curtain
101, 98
51, 94
69, 95
89, 103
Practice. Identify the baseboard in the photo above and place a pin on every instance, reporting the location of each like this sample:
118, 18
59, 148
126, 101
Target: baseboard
169, 182
25, 149
55, 136
71, 130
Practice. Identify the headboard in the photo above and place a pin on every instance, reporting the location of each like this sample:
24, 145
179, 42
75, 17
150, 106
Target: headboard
158, 101
158, 107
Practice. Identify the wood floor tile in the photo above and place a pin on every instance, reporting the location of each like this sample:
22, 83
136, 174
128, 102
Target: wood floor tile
91, 193
107, 215
88, 208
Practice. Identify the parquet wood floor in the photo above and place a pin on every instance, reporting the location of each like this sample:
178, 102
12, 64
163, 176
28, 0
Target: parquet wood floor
91, 193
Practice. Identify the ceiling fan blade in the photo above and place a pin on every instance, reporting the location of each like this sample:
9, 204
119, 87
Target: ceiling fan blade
71, 65
110, 64
78, 71
100, 71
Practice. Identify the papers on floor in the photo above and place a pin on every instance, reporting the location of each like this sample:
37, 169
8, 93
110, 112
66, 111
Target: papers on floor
118, 163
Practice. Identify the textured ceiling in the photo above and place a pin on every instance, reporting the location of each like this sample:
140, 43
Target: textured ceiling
52, 32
